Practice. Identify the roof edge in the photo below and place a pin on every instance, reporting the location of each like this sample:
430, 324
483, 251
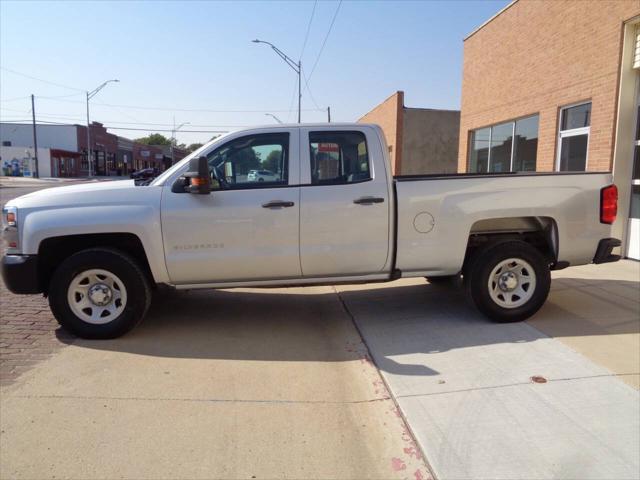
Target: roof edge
397, 92
504, 9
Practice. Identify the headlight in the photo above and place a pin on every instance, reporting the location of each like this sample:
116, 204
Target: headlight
10, 227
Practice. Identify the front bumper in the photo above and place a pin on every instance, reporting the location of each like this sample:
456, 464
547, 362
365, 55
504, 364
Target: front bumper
603, 252
20, 273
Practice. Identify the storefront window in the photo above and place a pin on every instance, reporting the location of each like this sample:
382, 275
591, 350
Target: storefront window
525, 144
501, 144
479, 161
505, 147
573, 138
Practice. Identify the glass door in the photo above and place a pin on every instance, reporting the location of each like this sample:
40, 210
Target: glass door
634, 213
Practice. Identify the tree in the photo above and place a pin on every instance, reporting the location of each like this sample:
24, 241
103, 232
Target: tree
244, 160
273, 160
194, 146
154, 139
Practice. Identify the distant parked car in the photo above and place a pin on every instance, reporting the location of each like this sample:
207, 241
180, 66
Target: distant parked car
145, 174
262, 176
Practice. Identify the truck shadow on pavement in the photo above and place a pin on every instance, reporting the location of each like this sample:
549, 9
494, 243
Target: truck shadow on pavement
397, 321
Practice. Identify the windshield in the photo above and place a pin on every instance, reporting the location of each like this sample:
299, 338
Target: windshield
168, 173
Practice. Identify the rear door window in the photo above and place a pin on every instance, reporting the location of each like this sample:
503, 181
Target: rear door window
338, 158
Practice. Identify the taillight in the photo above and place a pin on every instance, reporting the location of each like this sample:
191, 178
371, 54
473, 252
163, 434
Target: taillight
608, 204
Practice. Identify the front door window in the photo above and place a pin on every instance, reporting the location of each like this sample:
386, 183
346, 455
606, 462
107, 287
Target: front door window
252, 161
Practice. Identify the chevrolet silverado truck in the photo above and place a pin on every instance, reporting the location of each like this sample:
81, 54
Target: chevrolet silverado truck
331, 213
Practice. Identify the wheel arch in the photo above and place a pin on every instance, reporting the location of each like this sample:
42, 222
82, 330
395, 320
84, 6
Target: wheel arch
539, 232
53, 251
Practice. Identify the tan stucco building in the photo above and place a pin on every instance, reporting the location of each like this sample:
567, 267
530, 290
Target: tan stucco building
555, 86
420, 140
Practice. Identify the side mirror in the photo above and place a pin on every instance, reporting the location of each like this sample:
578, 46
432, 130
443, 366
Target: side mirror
198, 176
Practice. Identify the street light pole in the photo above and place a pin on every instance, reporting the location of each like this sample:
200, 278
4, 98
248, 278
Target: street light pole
90, 95
297, 67
173, 138
274, 117
35, 135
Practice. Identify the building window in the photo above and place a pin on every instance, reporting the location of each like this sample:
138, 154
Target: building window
573, 137
84, 163
505, 147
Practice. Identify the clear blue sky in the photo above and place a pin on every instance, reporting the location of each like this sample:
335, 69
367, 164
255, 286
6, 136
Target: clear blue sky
198, 55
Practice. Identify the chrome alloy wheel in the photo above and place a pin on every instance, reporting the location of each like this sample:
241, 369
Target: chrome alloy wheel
97, 296
512, 283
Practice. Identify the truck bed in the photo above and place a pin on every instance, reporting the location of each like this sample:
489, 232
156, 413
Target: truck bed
436, 218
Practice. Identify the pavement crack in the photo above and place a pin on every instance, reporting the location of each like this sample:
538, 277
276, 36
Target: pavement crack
204, 400
516, 384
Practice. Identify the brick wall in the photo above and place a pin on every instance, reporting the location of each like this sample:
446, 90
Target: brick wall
537, 56
389, 116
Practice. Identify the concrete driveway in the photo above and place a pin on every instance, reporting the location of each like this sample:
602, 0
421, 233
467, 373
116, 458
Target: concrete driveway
226, 384
555, 397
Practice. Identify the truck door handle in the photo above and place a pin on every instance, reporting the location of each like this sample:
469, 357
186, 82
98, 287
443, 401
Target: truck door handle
277, 204
368, 200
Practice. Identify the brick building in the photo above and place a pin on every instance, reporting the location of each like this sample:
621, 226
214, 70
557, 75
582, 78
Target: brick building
420, 140
147, 156
104, 147
552, 86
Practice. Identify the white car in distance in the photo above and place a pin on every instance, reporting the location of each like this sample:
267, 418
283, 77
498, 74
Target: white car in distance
262, 176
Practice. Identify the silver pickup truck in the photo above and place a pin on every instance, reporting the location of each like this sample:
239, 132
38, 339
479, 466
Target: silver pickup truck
329, 212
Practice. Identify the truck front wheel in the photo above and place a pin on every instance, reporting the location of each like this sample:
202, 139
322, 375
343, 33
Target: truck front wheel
99, 293
508, 281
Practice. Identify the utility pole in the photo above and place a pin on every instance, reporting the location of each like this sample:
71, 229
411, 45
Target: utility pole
173, 137
173, 140
328, 114
90, 95
35, 136
299, 90
296, 67
88, 137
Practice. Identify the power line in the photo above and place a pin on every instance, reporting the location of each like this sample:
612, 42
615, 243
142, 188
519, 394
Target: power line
325, 39
40, 79
114, 122
62, 96
306, 82
14, 99
293, 97
126, 128
192, 110
167, 130
306, 37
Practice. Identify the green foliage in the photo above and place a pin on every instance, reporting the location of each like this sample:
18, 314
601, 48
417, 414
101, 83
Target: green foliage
193, 147
246, 159
273, 160
154, 139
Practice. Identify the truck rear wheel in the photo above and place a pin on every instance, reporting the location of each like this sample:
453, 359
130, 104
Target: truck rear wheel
99, 293
508, 281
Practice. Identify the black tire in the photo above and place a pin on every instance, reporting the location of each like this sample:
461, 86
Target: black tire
480, 267
125, 268
444, 280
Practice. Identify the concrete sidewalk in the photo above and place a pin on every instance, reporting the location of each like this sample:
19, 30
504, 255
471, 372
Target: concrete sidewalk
223, 384
465, 384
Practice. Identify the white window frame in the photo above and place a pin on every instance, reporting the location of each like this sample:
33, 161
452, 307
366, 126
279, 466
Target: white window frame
513, 139
574, 132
